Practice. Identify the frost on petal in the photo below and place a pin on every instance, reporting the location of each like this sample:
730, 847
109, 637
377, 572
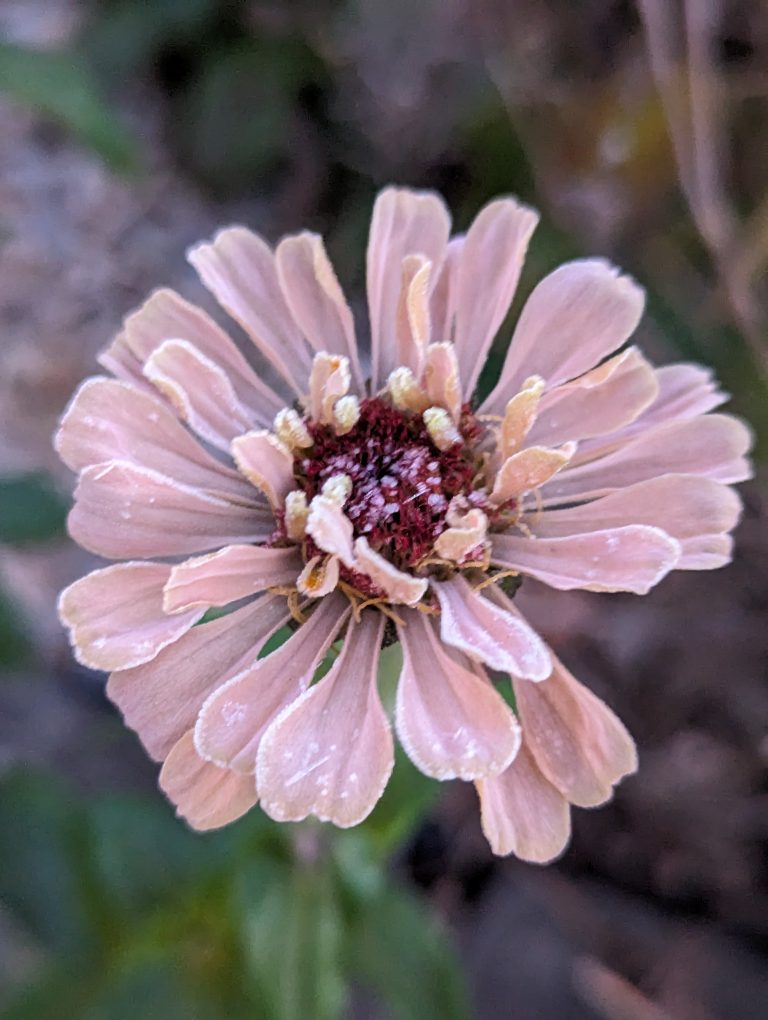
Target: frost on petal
266, 463
633, 558
441, 378
486, 632
579, 744
528, 470
115, 616
331, 529
204, 795
234, 718
328, 382
319, 576
399, 587
330, 753
160, 699
122, 510
466, 532
230, 574
450, 719
413, 327
574, 318
523, 814
519, 415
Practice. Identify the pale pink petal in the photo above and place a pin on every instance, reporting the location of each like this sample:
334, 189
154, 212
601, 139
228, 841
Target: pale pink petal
579, 744
632, 558
485, 632
403, 223
398, 586
200, 391
111, 420
234, 718
465, 535
441, 378
574, 318
413, 327
519, 415
266, 463
206, 796
528, 470
119, 359
705, 552
331, 529
319, 576
230, 574
486, 278
523, 814
316, 300
600, 402
115, 616
161, 699
123, 511
330, 753
451, 721
238, 268
328, 382
442, 311
167, 316
712, 445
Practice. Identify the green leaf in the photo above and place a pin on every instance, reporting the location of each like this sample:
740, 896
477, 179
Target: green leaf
15, 647
61, 86
31, 509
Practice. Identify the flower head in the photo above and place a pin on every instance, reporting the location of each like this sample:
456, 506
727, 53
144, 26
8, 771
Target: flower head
363, 496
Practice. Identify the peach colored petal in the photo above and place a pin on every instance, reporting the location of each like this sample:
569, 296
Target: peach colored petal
165, 315
328, 382
712, 445
519, 416
528, 470
404, 222
451, 721
200, 391
523, 814
399, 587
600, 402
442, 310
319, 576
233, 719
160, 700
330, 752
316, 300
576, 316
466, 532
238, 268
331, 529
487, 633
206, 796
230, 574
412, 325
111, 420
266, 463
115, 616
486, 278
632, 558
125, 511
579, 744
441, 378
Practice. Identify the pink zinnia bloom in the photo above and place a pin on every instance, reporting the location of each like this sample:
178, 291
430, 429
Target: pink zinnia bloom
366, 497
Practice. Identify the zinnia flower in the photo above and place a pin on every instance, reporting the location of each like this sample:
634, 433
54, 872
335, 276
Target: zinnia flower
366, 498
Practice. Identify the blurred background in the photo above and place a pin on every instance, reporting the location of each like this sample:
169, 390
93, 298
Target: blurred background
130, 129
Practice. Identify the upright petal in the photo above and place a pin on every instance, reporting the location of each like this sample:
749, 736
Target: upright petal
234, 718
441, 378
232, 573
160, 700
528, 470
330, 753
519, 416
331, 529
442, 301
204, 795
266, 463
413, 327
574, 318
451, 721
115, 616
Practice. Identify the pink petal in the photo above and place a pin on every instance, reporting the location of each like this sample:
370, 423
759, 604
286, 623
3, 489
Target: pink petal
110, 420
200, 391
574, 318
579, 744
315, 299
230, 574
233, 719
523, 814
442, 310
328, 382
413, 326
266, 463
486, 278
119, 359
528, 470
398, 586
239, 270
330, 753
519, 416
450, 719
404, 223
161, 699
116, 618
204, 795
632, 558
331, 529
713, 445
441, 378
123, 511
706, 552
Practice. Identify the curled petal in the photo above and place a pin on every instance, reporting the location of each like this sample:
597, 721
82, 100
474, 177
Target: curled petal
266, 463
205, 795
331, 529
319, 576
115, 616
330, 752
450, 719
398, 586
528, 470
466, 533
413, 325
441, 378
328, 382
519, 416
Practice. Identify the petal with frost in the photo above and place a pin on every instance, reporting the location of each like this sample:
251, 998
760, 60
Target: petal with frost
330, 753
442, 300
413, 327
319, 576
706, 552
266, 463
441, 378
230, 574
528, 470
331, 529
519, 415
328, 382
399, 587
467, 532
